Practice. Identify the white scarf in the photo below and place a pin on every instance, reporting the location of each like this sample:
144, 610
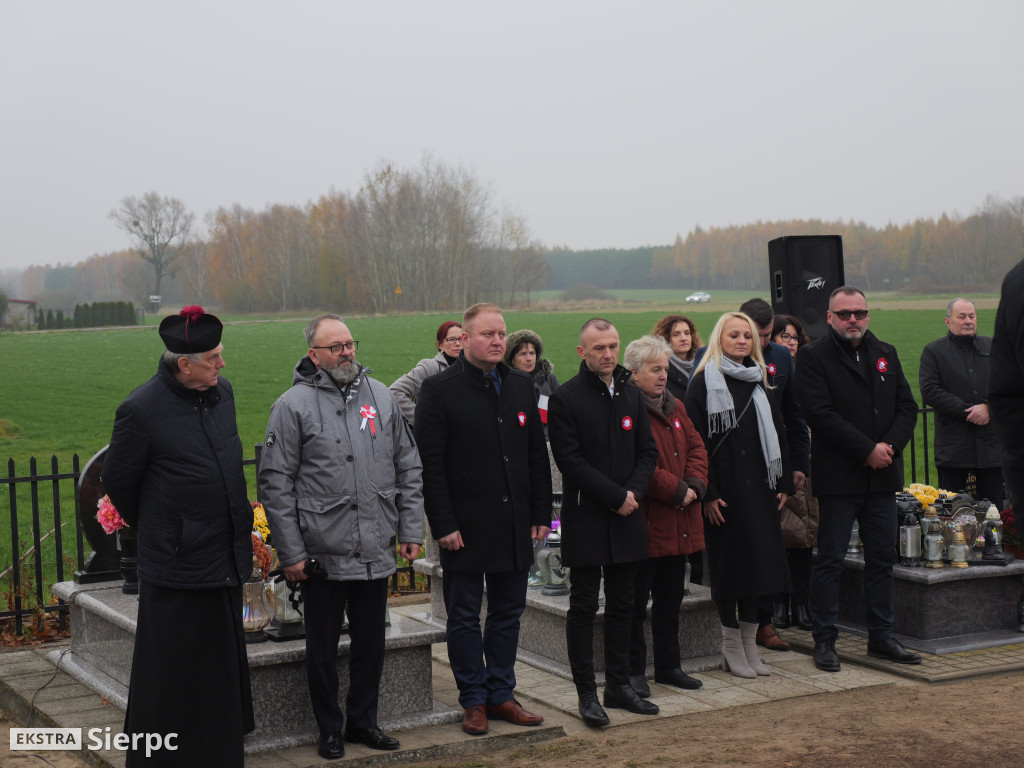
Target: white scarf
722, 410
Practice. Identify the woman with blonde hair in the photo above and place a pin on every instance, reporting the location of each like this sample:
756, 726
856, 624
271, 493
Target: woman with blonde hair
749, 480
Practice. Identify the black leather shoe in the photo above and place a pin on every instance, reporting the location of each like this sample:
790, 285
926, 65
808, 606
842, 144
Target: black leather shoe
802, 618
591, 711
679, 679
624, 697
892, 649
374, 738
330, 746
639, 684
825, 656
780, 616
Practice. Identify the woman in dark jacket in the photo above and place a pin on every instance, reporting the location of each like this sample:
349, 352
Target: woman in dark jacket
681, 335
524, 351
749, 480
799, 516
671, 509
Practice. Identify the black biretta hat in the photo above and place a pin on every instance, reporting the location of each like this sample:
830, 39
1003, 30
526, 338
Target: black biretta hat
191, 330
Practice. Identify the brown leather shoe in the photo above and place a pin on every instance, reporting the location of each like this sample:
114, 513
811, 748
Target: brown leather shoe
474, 721
512, 711
769, 638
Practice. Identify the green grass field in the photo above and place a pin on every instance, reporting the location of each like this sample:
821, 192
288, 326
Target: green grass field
61, 388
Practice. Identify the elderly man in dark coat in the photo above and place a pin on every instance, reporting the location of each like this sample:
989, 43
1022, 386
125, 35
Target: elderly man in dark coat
487, 492
601, 440
862, 414
954, 381
174, 472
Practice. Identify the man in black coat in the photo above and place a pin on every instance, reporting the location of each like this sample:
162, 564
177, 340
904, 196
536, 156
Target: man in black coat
1006, 385
487, 492
954, 381
602, 443
861, 413
174, 472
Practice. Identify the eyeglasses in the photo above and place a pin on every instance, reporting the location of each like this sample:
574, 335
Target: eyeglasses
337, 349
453, 340
786, 338
845, 314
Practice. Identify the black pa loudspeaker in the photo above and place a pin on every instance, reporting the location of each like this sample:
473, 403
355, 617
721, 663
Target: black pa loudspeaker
804, 270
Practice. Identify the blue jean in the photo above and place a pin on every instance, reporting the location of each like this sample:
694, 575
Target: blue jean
483, 661
876, 514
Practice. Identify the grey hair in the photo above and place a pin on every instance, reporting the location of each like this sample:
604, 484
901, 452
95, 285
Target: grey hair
314, 324
949, 307
170, 359
645, 350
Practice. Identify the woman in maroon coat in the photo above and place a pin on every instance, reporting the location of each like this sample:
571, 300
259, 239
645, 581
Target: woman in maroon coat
672, 510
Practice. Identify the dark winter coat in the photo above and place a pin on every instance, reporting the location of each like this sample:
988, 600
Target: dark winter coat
603, 447
677, 382
682, 464
1006, 381
954, 376
486, 471
174, 472
746, 557
850, 406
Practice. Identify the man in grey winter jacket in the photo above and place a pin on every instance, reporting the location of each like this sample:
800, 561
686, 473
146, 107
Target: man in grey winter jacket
341, 481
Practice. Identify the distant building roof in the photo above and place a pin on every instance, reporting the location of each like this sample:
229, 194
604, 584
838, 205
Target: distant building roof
21, 301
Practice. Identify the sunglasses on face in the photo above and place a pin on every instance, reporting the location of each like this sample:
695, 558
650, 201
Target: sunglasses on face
846, 314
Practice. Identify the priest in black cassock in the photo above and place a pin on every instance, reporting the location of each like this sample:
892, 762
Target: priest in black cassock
174, 472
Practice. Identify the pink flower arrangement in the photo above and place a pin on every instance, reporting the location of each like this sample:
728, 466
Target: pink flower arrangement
107, 515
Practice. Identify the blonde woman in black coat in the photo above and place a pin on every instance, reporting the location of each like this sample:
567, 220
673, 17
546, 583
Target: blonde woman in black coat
749, 480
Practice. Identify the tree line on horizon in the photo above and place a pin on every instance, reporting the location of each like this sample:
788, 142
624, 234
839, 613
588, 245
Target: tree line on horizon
430, 238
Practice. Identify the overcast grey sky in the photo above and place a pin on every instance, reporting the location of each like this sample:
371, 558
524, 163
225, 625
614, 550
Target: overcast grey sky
608, 124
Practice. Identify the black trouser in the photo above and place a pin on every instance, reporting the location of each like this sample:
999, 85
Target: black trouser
800, 562
584, 585
323, 605
664, 578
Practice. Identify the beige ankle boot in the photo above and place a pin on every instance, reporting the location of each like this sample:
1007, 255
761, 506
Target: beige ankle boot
748, 636
733, 658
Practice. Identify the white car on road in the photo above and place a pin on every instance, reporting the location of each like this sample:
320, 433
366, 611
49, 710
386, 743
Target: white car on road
698, 298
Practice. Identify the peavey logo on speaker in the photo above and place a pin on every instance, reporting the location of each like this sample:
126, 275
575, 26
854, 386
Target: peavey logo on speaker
816, 282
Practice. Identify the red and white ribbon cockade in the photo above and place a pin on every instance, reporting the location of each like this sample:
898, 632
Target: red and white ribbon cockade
368, 412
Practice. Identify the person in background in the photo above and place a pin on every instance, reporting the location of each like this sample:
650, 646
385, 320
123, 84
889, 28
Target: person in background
487, 490
601, 441
174, 472
523, 351
680, 333
954, 377
341, 483
749, 480
1006, 387
862, 414
799, 516
672, 510
407, 387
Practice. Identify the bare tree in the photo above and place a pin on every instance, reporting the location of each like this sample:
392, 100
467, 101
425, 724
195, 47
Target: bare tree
193, 264
156, 223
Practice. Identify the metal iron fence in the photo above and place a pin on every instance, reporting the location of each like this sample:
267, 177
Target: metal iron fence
22, 604
25, 596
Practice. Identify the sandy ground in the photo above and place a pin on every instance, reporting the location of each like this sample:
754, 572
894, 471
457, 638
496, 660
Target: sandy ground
905, 725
